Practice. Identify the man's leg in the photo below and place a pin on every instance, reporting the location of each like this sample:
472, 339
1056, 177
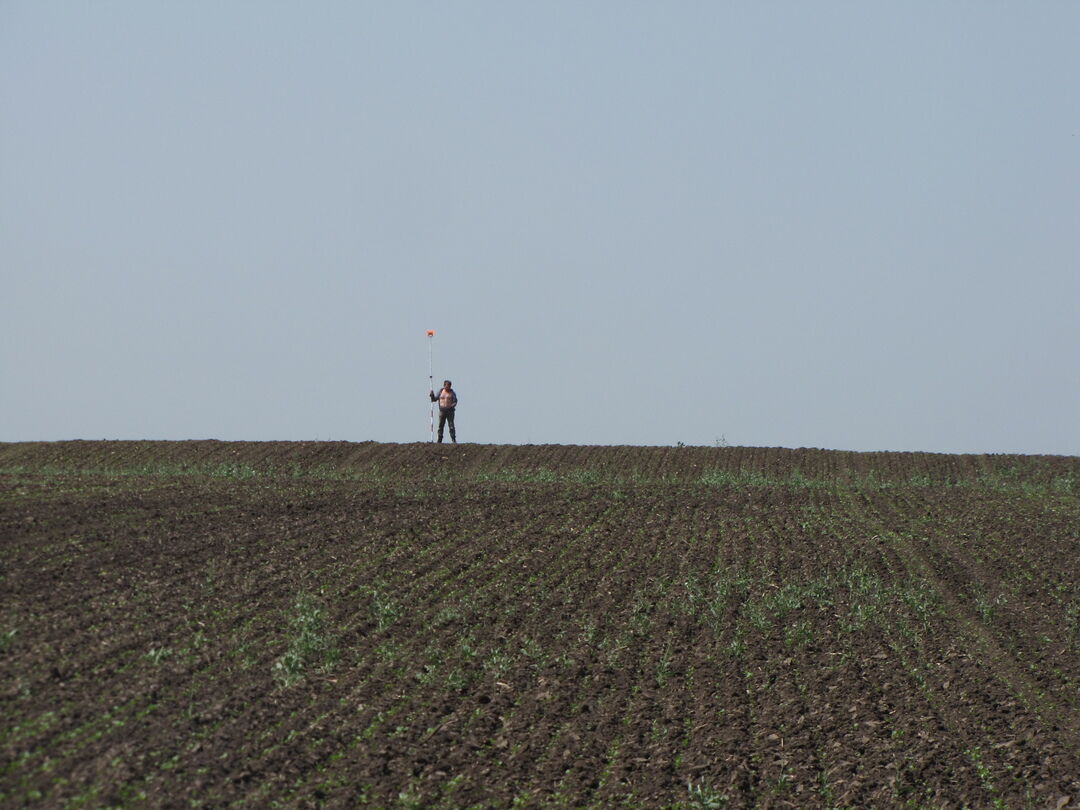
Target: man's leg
442, 423
450, 419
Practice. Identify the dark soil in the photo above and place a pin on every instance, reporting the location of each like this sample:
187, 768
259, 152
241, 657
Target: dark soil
208, 624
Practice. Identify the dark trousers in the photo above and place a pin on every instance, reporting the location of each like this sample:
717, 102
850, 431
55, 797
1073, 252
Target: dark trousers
446, 417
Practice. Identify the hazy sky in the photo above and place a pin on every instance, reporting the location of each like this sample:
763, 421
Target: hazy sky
843, 225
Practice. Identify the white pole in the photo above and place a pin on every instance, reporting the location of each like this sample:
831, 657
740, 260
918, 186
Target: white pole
431, 380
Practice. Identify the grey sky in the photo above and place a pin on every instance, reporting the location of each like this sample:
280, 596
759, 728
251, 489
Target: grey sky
842, 225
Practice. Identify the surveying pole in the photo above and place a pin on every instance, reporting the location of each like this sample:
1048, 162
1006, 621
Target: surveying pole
431, 379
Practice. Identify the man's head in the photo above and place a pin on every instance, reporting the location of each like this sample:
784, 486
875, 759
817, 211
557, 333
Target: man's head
445, 383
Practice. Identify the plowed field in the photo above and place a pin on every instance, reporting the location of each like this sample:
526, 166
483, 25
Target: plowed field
207, 624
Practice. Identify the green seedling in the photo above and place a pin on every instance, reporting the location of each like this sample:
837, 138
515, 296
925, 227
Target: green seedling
704, 796
310, 645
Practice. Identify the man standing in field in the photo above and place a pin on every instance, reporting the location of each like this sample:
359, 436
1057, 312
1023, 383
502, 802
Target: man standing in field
447, 400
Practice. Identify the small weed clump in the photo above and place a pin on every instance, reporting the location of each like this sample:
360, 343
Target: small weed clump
705, 797
310, 646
